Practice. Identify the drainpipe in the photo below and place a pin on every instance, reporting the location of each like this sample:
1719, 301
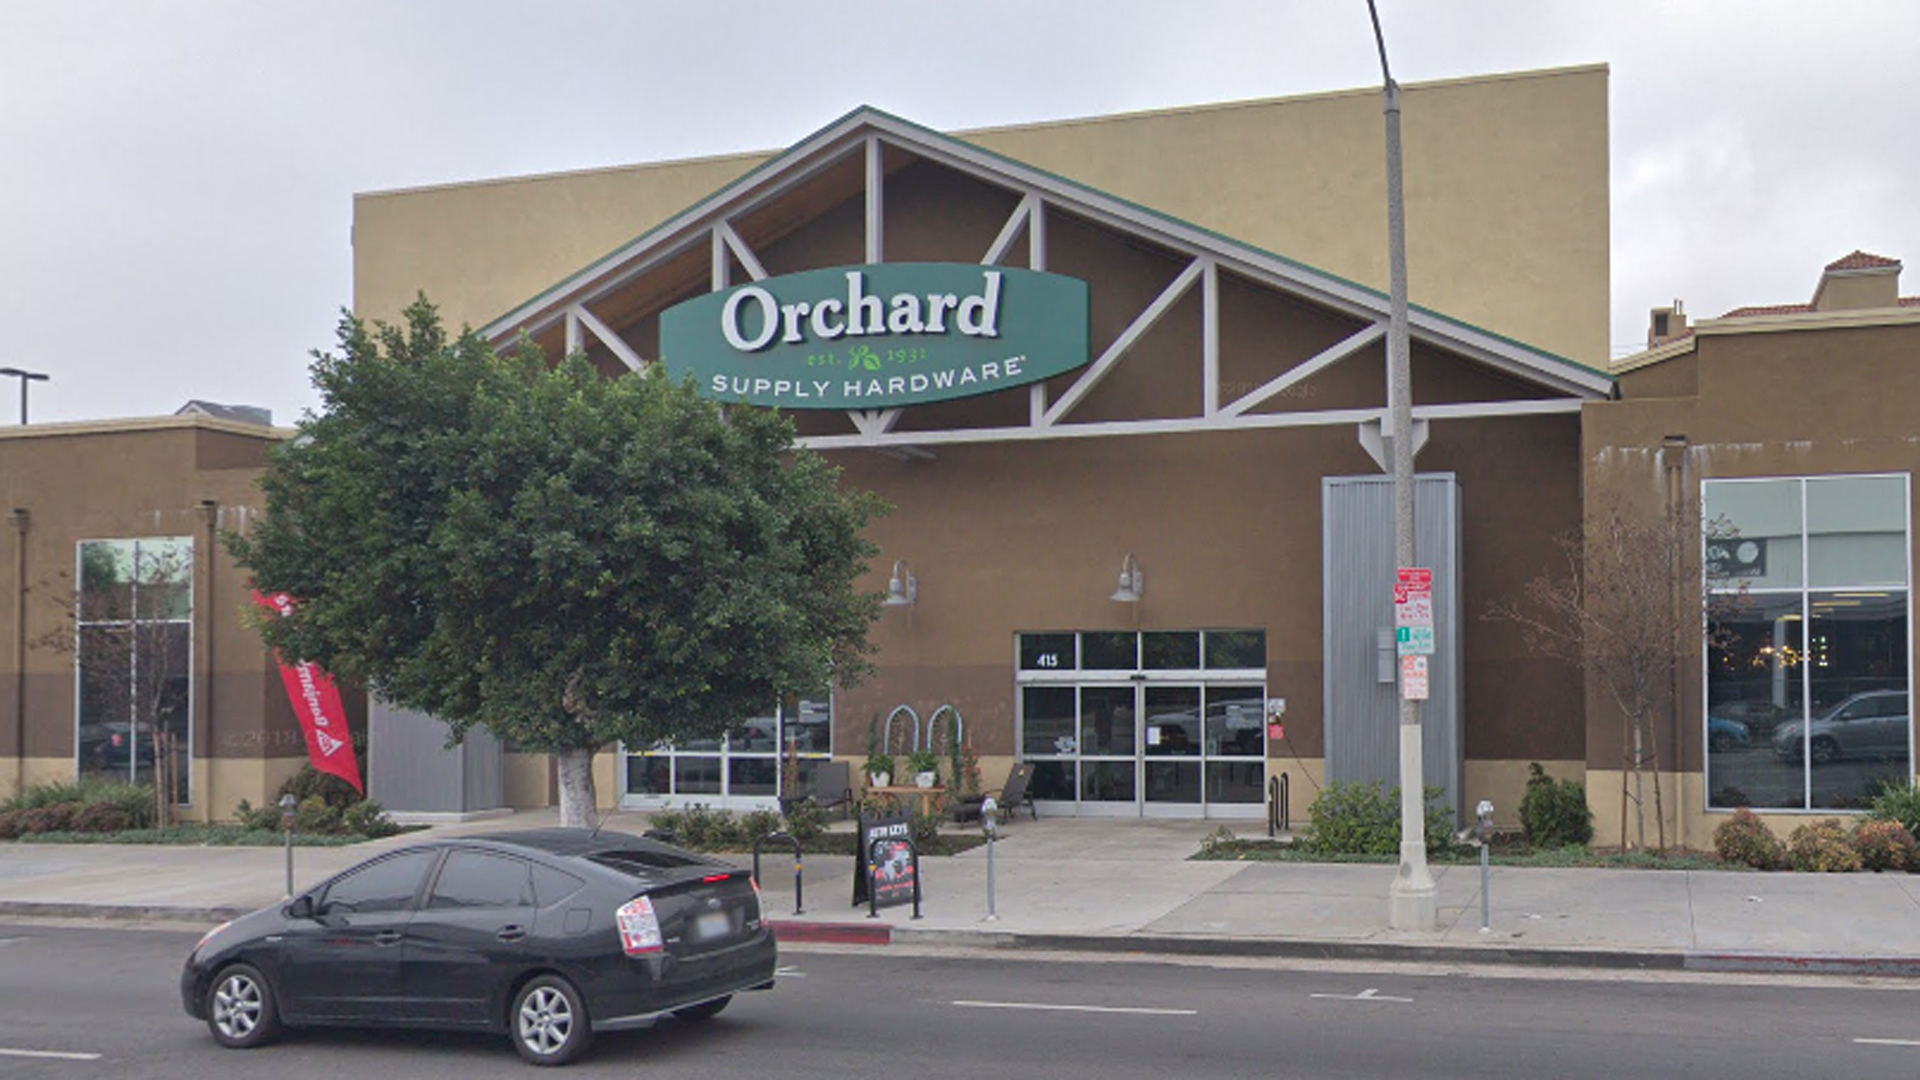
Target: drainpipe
203, 609
1674, 458
21, 520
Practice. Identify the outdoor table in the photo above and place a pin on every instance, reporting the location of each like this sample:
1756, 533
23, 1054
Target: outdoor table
914, 792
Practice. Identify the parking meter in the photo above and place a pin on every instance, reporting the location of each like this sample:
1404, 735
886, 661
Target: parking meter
1484, 831
287, 805
990, 824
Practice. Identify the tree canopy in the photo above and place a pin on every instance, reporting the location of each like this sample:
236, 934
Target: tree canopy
564, 558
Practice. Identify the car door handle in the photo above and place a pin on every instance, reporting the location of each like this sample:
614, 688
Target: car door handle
511, 933
387, 937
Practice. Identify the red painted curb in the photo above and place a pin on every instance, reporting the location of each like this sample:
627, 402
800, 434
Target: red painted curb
833, 933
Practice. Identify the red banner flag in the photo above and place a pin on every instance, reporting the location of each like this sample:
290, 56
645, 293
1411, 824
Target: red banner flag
316, 701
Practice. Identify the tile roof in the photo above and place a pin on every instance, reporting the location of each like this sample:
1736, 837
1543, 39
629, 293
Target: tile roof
1795, 309
1768, 309
1861, 260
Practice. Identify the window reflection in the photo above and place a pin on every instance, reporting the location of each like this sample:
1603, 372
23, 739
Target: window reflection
1808, 689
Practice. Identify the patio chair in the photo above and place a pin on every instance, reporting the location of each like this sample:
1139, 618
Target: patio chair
1011, 796
832, 786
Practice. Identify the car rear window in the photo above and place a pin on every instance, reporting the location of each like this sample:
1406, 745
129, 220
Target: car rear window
642, 862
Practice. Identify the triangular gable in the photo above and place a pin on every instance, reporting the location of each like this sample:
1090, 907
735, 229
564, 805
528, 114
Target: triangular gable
867, 125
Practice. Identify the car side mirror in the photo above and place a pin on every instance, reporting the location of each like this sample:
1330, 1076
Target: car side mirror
301, 908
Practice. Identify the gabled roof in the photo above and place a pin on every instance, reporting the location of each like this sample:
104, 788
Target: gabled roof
851, 132
239, 414
1861, 260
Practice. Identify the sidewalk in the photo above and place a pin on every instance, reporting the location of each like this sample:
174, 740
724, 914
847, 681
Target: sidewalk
1129, 887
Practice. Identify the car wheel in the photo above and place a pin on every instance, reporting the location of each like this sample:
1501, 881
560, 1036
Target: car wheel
706, 1010
241, 1011
549, 1021
1825, 750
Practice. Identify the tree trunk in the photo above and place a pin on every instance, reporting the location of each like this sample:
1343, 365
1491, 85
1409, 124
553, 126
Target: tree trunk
1639, 789
576, 789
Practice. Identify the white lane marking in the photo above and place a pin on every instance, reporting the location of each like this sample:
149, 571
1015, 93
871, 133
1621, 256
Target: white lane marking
1133, 1010
1888, 1042
57, 1055
788, 973
1369, 994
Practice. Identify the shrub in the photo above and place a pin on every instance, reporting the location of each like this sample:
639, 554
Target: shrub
53, 817
1361, 819
1220, 838
1898, 802
10, 824
135, 799
1821, 847
102, 817
316, 815
1746, 840
925, 829
369, 819
701, 828
1554, 813
253, 817
806, 821
1883, 845
755, 824
310, 782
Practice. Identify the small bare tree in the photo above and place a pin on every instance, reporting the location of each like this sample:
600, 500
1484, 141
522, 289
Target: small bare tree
1626, 608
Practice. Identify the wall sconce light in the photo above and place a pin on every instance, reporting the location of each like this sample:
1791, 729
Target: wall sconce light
1132, 584
902, 589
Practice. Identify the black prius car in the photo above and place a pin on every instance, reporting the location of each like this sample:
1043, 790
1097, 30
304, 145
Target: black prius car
545, 936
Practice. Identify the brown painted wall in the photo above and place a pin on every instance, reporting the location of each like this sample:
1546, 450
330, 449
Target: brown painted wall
1775, 403
139, 479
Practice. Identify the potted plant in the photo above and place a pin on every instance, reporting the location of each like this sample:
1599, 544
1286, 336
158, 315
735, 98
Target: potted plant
879, 764
925, 767
879, 768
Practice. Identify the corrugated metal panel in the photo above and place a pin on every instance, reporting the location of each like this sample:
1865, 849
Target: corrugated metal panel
410, 768
1362, 708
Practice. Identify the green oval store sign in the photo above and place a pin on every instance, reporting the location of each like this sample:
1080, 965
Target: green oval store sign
878, 336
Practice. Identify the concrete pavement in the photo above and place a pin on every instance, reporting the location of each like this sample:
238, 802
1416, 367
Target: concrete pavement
1129, 886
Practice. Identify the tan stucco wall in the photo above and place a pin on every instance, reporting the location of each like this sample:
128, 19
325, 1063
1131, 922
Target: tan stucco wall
527, 780
1506, 182
1505, 782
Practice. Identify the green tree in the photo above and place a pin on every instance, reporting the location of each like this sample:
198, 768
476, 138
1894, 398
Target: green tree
565, 559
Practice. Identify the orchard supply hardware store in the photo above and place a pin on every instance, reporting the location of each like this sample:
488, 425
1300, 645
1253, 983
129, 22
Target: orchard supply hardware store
1134, 459
1123, 381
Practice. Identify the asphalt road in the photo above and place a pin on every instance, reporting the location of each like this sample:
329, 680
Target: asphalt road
102, 1002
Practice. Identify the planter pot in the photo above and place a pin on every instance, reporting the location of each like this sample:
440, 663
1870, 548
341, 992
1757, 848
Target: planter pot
878, 779
925, 779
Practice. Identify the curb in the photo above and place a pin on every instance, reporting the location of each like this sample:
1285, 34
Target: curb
884, 933
832, 933
118, 912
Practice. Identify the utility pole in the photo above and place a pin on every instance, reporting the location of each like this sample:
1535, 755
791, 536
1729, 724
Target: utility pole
25, 378
1412, 902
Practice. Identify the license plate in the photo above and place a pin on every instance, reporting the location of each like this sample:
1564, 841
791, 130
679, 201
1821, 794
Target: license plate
713, 924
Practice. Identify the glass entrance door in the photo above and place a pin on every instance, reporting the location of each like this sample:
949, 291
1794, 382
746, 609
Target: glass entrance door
1176, 737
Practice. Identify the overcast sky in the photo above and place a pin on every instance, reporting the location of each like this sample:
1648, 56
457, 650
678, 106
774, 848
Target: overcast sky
176, 178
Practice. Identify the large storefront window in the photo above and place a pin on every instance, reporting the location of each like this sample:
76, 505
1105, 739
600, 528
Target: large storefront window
134, 661
1808, 704
741, 769
1153, 723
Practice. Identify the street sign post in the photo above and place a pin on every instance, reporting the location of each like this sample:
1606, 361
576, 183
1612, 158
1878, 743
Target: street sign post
1413, 629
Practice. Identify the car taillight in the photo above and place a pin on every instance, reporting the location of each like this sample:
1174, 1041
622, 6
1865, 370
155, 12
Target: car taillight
639, 928
757, 905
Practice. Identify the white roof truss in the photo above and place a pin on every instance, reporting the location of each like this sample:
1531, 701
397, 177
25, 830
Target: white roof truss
866, 133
